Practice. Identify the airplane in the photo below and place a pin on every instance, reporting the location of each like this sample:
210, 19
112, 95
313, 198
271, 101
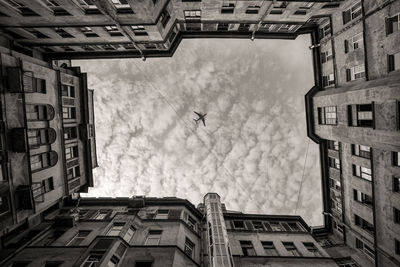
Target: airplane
202, 117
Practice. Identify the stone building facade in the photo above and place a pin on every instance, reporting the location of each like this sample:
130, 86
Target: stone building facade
48, 146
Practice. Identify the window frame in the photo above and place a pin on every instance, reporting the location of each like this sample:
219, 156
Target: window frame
360, 172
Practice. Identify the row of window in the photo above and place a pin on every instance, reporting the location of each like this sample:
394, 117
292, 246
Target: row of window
358, 115
270, 249
269, 226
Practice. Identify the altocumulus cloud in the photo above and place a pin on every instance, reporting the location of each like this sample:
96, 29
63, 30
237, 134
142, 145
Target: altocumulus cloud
253, 148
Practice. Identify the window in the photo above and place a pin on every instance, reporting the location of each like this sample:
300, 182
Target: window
252, 9
48, 184
113, 261
62, 33
335, 184
192, 15
78, 238
228, 8
71, 152
88, 32
53, 263
93, 259
101, 215
355, 73
365, 248
392, 24
38, 112
396, 159
357, 41
258, 225
300, 12
40, 161
191, 222
361, 151
328, 80
334, 163
295, 227
143, 264
346, 262
247, 248
4, 207
327, 115
396, 184
164, 18
269, 248
139, 30
243, 27
238, 224
362, 172
396, 215
291, 248
70, 133
352, 13
333, 145
397, 246
67, 90
153, 237
325, 30
38, 137
189, 247
306, 5
116, 228
326, 56
312, 249
113, 30
394, 62
73, 172
162, 214
49, 237
129, 234
360, 222
276, 226
360, 115
69, 113
362, 197
20, 263
276, 12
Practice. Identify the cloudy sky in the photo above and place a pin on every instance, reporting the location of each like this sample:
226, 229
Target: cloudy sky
253, 149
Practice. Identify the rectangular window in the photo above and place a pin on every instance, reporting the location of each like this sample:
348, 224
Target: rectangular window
396, 159
223, 27
357, 41
244, 27
396, 184
78, 238
360, 222
162, 214
396, 215
247, 248
88, 32
4, 207
113, 261
53, 263
335, 184
70, 133
327, 115
73, 172
36, 112
68, 90
397, 246
328, 80
252, 9
164, 18
362, 197
333, 145
312, 249
276, 11
143, 264
101, 215
129, 234
189, 247
295, 227
116, 228
227, 8
365, 248
40, 161
291, 248
269, 248
238, 224
394, 62
334, 163
355, 73
300, 12
113, 30
352, 13
325, 30
192, 15
361, 151
276, 226
93, 259
362, 172
258, 225
63, 33
139, 30
392, 24
191, 222
69, 113
71, 152
153, 237
360, 115
326, 56
48, 184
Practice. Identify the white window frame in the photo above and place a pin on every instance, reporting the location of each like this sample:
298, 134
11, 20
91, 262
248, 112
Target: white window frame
358, 70
358, 42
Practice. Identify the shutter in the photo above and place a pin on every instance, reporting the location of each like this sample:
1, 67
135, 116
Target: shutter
346, 16
348, 74
390, 63
175, 214
324, 81
346, 46
249, 225
388, 26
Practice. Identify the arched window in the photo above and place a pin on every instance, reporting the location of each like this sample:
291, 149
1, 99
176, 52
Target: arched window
37, 112
43, 161
41, 136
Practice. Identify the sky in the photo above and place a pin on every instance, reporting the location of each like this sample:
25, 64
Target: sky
253, 150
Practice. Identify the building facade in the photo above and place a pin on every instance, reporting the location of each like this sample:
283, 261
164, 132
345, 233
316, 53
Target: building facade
47, 141
161, 232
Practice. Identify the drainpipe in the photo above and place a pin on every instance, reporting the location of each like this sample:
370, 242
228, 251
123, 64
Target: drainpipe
364, 41
253, 34
102, 6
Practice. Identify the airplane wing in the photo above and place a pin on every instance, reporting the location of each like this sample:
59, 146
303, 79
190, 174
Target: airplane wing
204, 122
198, 114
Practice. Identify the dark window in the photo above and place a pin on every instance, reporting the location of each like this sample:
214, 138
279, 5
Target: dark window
362, 197
48, 184
361, 151
291, 248
252, 9
125, 10
228, 8
397, 246
300, 12
247, 248
327, 115
69, 113
113, 30
325, 30
71, 152
362, 172
312, 249
41, 161
360, 115
189, 247
68, 90
20, 263
257, 225
333, 145
93, 259
63, 33
328, 80
363, 224
143, 264
396, 215
37, 33
70, 133
164, 18
223, 26
276, 12
39, 112
352, 13
392, 24
331, 5
79, 238
244, 27
238, 224
269, 248
88, 32
4, 207
53, 263
396, 184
